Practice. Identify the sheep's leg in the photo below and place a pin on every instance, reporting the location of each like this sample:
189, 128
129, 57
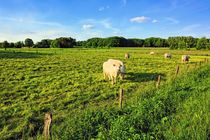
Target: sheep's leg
105, 76
112, 79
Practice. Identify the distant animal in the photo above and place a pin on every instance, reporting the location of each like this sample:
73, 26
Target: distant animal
111, 71
122, 66
167, 55
127, 55
152, 53
185, 58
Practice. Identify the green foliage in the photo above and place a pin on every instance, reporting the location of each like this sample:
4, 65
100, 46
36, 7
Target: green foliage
5, 45
134, 42
203, 43
63, 42
155, 42
45, 43
19, 44
179, 110
29, 42
182, 42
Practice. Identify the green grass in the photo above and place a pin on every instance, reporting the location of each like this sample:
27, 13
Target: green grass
178, 110
66, 81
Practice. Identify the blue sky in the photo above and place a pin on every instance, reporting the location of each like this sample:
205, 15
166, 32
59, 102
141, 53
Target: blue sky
83, 19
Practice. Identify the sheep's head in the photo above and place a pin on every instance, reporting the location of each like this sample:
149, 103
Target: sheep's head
117, 67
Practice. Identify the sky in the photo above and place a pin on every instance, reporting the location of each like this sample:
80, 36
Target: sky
84, 19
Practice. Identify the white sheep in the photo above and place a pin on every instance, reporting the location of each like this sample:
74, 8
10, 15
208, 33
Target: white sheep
167, 55
152, 53
185, 58
122, 66
111, 71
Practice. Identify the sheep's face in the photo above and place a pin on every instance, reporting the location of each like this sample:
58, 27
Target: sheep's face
116, 67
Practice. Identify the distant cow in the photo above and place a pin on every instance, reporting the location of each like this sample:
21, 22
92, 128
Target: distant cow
167, 55
111, 71
185, 58
152, 53
122, 67
127, 55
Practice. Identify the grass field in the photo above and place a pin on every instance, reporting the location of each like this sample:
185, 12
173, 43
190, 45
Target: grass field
65, 81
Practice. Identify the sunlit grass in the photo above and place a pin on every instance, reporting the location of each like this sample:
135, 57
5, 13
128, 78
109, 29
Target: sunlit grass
35, 81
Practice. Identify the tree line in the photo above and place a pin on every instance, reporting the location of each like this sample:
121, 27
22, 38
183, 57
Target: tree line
178, 42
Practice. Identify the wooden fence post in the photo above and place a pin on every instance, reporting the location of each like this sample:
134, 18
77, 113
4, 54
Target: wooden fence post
205, 60
121, 98
47, 127
158, 81
177, 70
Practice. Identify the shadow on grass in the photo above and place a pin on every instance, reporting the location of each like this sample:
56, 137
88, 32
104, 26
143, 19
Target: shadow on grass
14, 54
143, 77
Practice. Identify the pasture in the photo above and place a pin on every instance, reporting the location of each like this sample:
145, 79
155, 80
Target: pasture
65, 81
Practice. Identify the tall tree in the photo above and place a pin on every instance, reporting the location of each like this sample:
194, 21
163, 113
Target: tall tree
63, 42
5, 45
202, 43
19, 44
29, 42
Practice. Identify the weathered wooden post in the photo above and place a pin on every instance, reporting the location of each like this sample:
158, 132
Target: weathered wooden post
47, 127
121, 98
205, 60
158, 82
177, 70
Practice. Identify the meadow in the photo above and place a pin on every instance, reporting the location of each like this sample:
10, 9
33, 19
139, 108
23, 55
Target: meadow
68, 81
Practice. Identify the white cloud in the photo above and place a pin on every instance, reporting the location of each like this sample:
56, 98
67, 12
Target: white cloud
140, 19
190, 28
87, 26
100, 9
173, 20
29, 21
154, 21
18, 28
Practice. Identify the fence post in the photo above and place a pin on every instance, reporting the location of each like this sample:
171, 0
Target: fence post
177, 70
47, 127
158, 81
206, 60
200, 63
121, 98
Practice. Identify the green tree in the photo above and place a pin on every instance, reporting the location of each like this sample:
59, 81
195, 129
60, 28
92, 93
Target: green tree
19, 44
44, 43
5, 45
29, 42
63, 42
202, 43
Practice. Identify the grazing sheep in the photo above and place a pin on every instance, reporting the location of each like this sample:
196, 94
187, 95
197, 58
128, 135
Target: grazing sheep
111, 71
127, 55
122, 66
167, 55
185, 58
152, 53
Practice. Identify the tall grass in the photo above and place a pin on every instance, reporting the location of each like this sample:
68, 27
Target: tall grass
178, 110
